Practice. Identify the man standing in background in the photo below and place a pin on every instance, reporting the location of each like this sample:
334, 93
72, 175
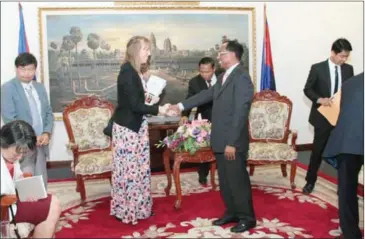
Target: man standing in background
346, 144
324, 80
22, 98
206, 79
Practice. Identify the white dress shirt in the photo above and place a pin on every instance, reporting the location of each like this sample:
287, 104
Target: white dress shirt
35, 95
213, 80
332, 68
229, 71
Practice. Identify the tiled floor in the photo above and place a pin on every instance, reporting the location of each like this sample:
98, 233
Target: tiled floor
63, 173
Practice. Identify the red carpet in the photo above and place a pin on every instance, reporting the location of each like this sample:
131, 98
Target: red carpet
280, 213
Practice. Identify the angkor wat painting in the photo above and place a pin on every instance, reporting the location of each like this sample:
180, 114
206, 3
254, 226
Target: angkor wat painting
82, 49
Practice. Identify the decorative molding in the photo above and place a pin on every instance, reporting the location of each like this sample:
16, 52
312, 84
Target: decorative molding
156, 3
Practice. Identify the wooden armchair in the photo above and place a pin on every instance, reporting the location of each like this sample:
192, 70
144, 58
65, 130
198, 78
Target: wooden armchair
85, 120
25, 229
269, 132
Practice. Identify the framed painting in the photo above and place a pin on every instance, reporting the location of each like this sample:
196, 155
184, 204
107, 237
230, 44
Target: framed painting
82, 48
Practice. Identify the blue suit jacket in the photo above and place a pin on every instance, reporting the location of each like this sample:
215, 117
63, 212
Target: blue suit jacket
15, 106
348, 135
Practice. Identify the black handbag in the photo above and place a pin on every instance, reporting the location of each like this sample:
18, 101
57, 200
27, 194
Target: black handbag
14, 222
109, 128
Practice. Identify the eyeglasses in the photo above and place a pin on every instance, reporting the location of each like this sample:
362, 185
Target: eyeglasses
221, 53
23, 69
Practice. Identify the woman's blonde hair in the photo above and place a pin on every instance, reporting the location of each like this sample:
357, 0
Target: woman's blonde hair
132, 53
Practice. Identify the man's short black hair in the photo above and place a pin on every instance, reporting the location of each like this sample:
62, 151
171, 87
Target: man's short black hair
207, 60
340, 45
25, 59
236, 47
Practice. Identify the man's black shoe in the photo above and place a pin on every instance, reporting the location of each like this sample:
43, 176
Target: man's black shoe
243, 226
224, 220
203, 181
308, 188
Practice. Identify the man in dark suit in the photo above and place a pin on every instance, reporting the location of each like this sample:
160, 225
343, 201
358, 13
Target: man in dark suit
346, 143
203, 81
232, 97
324, 80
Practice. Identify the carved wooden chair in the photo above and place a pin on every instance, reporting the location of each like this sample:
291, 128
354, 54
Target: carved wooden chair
85, 119
25, 229
269, 132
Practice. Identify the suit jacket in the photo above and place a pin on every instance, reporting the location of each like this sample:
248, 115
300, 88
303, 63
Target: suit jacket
348, 135
318, 85
7, 182
196, 85
131, 100
231, 106
15, 105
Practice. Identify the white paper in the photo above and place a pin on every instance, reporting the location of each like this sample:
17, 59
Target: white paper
155, 85
30, 187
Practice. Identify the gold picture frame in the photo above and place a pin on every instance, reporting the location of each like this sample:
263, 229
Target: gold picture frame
156, 3
57, 63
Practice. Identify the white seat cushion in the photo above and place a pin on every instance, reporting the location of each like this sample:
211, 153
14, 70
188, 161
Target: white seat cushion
271, 152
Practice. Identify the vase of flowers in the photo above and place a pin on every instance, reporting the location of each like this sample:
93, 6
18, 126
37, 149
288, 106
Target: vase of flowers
189, 137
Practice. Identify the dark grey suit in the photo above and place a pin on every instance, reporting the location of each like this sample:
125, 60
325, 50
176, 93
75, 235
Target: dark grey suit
346, 143
15, 106
231, 106
318, 85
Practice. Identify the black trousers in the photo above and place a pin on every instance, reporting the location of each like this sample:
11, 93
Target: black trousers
348, 173
203, 170
235, 187
319, 142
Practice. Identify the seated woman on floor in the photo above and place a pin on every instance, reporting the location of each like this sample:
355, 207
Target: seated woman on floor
18, 138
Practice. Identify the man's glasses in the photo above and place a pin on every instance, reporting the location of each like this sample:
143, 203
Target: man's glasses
23, 69
221, 53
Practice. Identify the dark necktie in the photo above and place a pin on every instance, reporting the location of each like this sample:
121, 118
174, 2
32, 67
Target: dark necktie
209, 83
336, 80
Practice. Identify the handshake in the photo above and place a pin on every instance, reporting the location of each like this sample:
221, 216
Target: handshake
169, 110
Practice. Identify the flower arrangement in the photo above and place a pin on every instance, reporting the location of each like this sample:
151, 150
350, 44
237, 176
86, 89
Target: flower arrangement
189, 137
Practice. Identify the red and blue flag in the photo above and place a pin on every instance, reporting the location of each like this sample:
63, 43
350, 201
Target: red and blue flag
23, 42
267, 66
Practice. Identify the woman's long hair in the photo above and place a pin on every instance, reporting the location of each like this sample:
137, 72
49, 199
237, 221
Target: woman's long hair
132, 53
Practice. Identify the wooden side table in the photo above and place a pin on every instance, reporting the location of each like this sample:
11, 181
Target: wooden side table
202, 156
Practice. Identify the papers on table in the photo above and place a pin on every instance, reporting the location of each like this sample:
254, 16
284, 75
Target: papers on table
155, 85
30, 187
331, 112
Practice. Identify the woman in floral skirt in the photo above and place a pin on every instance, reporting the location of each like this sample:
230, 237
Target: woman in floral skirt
131, 173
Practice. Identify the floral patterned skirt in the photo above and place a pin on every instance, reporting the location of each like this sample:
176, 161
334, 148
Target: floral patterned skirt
131, 174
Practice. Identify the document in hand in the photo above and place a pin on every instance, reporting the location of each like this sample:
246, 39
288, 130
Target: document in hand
30, 187
331, 112
155, 85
